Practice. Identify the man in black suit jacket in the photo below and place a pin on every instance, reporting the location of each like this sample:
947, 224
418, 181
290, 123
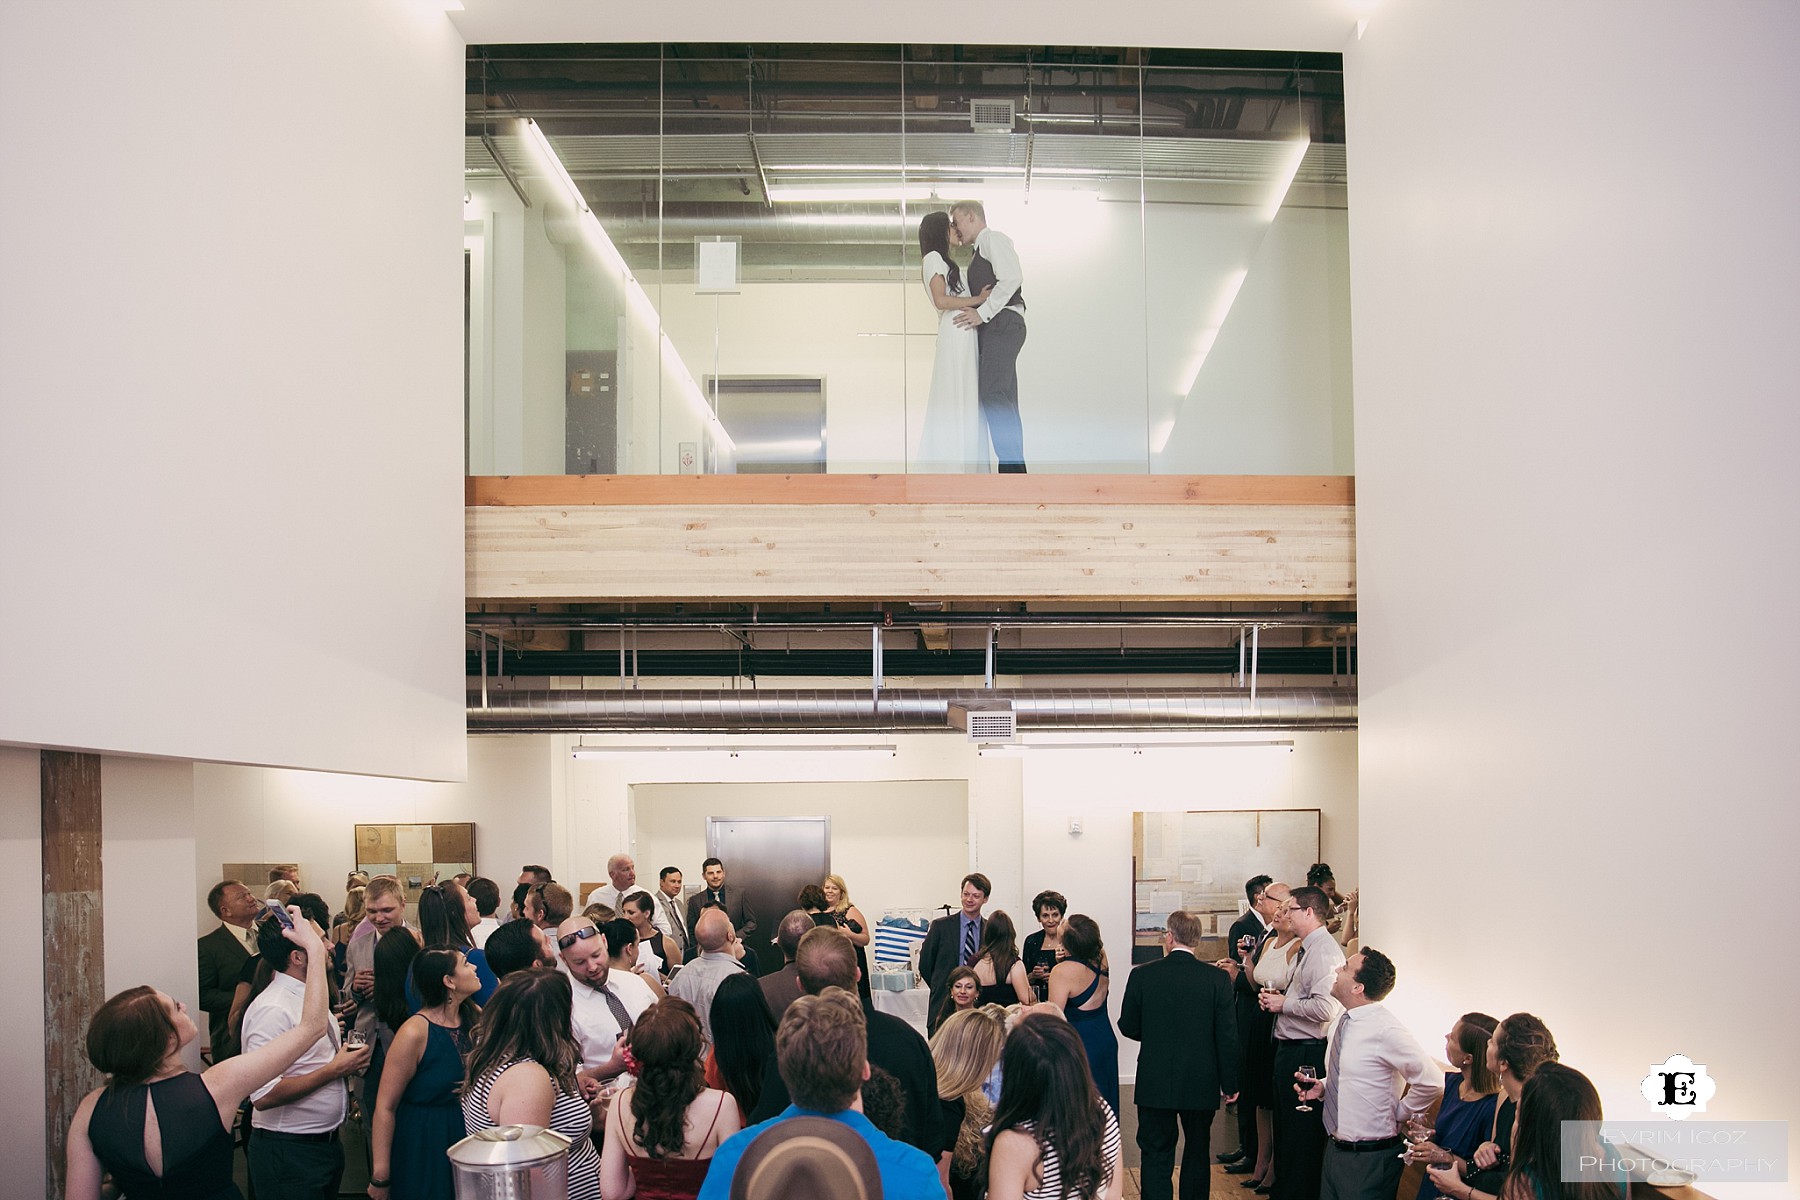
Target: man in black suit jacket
827, 959
716, 895
1254, 924
955, 940
221, 955
1181, 1010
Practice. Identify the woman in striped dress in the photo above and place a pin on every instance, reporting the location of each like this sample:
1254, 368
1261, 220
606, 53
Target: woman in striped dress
1053, 1137
522, 1070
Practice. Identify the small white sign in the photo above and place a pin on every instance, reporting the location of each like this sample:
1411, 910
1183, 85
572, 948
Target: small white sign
715, 268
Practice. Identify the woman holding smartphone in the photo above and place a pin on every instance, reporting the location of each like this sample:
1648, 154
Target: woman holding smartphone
160, 1129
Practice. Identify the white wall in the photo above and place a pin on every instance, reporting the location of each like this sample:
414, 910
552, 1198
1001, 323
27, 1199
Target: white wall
229, 350
1575, 394
256, 814
22, 949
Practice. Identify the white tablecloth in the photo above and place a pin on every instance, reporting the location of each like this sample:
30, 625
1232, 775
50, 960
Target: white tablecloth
912, 1006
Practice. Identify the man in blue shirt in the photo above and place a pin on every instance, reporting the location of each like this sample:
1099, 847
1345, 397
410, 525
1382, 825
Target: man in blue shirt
821, 1050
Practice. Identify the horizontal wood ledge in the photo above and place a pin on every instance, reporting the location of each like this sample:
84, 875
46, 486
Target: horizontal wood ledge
503, 491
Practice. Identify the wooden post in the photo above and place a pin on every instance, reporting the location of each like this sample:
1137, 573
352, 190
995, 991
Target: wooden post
74, 965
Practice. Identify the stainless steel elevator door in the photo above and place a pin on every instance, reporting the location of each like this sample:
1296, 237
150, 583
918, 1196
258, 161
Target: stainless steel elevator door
771, 859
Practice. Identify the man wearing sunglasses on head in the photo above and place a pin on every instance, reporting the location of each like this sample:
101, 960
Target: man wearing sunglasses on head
606, 1002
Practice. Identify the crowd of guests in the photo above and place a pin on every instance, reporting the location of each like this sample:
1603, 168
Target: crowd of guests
640, 1029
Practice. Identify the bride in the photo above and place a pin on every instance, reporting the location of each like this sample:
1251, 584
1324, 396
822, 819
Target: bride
954, 440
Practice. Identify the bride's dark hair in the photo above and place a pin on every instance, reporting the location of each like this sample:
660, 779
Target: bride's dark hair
934, 234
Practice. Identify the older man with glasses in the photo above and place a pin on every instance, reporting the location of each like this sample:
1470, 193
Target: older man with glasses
606, 1002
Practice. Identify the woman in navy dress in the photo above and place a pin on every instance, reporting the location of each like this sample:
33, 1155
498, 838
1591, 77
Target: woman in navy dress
1470, 1093
418, 1113
1079, 984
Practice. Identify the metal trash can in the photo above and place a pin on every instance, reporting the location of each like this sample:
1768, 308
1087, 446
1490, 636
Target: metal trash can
511, 1162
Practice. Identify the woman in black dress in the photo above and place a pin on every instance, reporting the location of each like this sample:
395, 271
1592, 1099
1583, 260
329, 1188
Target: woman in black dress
136, 1039
998, 967
814, 900
1044, 947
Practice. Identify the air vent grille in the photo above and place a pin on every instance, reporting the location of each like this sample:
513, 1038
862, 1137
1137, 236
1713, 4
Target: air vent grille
987, 724
991, 116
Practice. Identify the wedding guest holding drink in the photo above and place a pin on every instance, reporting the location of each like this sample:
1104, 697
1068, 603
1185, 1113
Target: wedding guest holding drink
1044, 945
1304, 1013
1555, 1094
1471, 1093
1271, 971
855, 926
1520, 1046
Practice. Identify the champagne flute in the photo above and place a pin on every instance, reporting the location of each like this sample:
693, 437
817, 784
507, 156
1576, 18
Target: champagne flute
1309, 1075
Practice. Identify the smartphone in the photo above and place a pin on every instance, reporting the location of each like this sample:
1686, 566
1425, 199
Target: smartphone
281, 915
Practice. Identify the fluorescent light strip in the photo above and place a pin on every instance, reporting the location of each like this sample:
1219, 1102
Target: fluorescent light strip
734, 751
636, 299
1284, 179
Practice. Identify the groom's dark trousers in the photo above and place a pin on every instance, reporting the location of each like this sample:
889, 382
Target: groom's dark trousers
1001, 339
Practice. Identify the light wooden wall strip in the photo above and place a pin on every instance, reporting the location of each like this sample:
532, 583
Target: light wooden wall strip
912, 551
504, 490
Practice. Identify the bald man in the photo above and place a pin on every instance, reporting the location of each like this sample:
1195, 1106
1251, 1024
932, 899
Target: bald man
720, 951
623, 874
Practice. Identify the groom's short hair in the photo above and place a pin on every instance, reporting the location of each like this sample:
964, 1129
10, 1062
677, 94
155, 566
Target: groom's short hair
970, 206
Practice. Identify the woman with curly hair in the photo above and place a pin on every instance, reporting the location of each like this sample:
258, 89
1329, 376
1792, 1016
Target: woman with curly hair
522, 1070
1519, 1047
964, 1051
662, 1131
1053, 1137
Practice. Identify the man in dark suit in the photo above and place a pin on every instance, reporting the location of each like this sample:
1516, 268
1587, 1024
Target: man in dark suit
955, 940
1254, 924
1181, 1010
716, 895
827, 959
781, 988
222, 953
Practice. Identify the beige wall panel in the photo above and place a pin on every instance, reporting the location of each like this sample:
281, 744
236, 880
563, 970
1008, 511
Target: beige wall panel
875, 551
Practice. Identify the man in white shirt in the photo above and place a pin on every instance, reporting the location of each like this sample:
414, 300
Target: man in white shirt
1376, 1079
1303, 1016
606, 1002
295, 1153
486, 894
999, 325
666, 916
623, 873
719, 953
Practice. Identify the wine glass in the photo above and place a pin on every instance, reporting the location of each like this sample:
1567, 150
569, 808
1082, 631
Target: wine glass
1418, 1133
1309, 1075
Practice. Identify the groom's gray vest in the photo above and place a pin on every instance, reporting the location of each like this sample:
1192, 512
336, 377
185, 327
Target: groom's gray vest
981, 275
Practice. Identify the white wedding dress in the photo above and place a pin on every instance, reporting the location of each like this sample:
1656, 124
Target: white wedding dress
954, 441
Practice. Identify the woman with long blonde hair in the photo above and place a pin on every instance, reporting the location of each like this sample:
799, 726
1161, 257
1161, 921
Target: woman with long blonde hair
849, 918
964, 1050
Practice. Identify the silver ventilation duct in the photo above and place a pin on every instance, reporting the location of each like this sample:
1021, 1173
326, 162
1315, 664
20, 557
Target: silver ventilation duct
802, 711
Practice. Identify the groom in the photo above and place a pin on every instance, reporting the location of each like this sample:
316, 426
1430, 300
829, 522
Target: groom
999, 324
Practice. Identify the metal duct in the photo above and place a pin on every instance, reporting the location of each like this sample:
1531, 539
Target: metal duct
593, 711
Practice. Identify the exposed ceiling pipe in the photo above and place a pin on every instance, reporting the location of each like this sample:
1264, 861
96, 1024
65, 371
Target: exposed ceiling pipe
595, 711
898, 619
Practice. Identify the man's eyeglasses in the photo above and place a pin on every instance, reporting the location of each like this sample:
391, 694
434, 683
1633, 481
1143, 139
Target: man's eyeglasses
569, 939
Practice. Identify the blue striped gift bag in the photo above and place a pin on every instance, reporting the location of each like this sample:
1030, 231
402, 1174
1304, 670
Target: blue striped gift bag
897, 938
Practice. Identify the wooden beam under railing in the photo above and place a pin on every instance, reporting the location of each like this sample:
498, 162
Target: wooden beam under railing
911, 537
